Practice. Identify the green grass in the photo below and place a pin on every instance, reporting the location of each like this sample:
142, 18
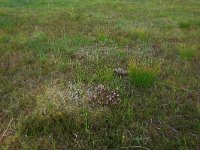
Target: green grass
187, 52
142, 75
184, 25
54, 53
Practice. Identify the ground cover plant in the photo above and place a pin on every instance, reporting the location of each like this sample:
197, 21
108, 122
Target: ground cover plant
58, 89
142, 74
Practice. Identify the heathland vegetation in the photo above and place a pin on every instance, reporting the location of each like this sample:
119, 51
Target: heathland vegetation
58, 89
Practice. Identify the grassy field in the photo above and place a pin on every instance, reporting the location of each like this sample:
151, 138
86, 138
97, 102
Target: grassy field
57, 85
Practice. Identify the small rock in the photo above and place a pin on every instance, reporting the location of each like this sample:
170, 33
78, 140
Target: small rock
120, 71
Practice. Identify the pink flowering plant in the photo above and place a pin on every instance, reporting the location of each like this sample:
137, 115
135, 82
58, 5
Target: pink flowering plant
103, 97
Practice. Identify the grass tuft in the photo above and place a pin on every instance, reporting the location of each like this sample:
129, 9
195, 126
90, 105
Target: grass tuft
184, 25
142, 74
141, 34
186, 52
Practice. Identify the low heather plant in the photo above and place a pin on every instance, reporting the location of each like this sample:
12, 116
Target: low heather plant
103, 97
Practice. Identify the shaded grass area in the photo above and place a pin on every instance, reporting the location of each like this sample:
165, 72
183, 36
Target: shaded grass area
54, 53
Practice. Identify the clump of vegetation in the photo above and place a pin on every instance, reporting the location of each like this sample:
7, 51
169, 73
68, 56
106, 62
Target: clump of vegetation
186, 52
103, 97
184, 25
142, 74
141, 34
103, 37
